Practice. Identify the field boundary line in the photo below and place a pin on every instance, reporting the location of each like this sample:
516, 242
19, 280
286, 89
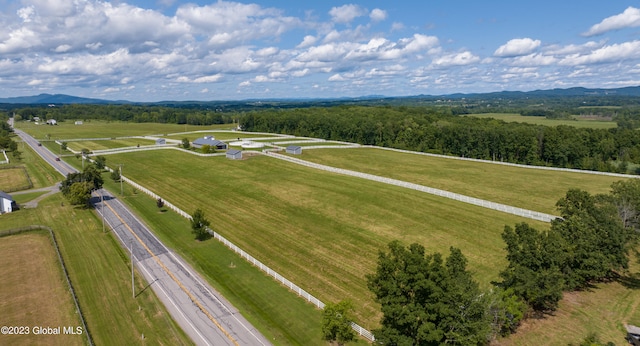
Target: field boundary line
422, 188
19, 230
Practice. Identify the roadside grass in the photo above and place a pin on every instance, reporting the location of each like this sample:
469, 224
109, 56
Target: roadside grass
41, 174
578, 122
279, 314
13, 179
108, 144
604, 310
34, 292
99, 271
26, 197
322, 231
105, 129
527, 188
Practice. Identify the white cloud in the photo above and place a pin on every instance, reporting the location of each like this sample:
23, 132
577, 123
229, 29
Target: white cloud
307, 41
378, 15
346, 13
517, 46
628, 19
614, 52
208, 79
336, 78
457, 59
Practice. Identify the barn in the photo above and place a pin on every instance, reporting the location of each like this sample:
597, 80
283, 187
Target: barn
294, 149
209, 140
6, 203
234, 154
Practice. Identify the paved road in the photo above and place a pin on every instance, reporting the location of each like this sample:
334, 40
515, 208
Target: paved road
201, 312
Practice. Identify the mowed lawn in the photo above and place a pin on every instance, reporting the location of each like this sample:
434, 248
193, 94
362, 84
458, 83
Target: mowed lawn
13, 179
320, 230
222, 136
99, 270
527, 188
108, 144
578, 122
34, 292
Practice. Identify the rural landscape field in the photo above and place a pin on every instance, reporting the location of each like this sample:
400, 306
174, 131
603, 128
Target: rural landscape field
323, 230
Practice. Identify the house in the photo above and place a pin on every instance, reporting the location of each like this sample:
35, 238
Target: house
209, 140
161, 141
294, 149
78, 122
234, 154
52, 122
6, 203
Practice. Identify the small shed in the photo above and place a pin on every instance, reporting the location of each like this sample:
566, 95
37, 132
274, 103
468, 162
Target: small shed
52, 122
6, 203
633, 334
294, 149
78, 122
234, 154
161, 141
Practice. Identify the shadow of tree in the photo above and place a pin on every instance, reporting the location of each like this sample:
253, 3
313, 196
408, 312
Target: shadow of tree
631, 280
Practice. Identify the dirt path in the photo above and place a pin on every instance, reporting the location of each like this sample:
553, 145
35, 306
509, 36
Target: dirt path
50, 190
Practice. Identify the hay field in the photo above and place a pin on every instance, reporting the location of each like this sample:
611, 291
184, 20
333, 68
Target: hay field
34, 291
13, 179
320, 230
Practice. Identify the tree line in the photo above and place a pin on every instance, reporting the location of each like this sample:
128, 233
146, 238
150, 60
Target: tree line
437, 130
429, 300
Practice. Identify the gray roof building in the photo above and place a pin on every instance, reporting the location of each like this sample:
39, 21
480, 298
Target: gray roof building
294, 149
234, 154
209, 140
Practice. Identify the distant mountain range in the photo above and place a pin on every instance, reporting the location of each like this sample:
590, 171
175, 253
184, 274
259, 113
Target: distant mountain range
59, 99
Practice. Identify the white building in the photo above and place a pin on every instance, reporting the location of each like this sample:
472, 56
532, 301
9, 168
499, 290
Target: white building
6, 203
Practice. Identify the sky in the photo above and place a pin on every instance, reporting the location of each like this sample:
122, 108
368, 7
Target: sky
155, 50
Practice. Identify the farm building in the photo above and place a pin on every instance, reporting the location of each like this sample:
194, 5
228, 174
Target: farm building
6, 203
78, 122
234, 154
209, 140
294, 149
161, 141
52, 122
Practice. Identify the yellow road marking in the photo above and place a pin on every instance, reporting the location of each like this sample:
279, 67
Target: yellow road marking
191, 296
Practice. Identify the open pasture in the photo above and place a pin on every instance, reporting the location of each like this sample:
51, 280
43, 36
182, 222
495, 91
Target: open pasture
34, 291
527, 188
578, 122
320, 230
105, 129
13, 178
108, 144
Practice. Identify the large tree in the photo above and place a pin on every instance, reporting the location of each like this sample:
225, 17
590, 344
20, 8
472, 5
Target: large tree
336, 322
90, 180
535, 262
426, 301
199, 225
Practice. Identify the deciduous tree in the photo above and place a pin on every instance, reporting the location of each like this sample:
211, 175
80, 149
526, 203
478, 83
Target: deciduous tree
336, 322
199, 225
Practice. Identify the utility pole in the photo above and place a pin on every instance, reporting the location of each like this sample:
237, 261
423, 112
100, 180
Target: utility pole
121, 190
133, 288
102, 207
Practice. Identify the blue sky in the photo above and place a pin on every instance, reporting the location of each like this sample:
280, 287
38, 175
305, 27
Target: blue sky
153, 50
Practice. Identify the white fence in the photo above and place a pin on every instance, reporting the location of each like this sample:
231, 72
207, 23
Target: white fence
6, 158
284, 281
455, 196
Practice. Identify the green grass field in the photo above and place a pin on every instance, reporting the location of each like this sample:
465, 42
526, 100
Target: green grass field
322, 231
13, 178
579, 122
99, 270
533, 189
223, 136
34, 291
108, 144
41, 174
104, 129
